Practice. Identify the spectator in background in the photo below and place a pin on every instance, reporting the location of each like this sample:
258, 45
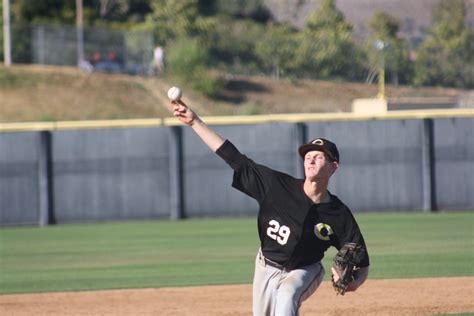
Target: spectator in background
110, 64
86, 66
96, 58
158, 60
113, 62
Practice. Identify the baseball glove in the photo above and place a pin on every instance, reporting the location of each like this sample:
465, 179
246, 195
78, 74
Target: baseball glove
345, 264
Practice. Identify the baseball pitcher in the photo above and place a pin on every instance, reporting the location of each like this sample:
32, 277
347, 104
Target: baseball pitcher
298, 220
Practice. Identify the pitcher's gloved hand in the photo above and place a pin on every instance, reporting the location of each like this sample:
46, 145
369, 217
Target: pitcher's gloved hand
345, 264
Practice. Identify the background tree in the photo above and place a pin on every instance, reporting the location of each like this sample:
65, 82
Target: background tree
187, 36
326, 47
116, 13
171, 19
49, 11
243, 9
446, 56
187, 64
233, 44
276, 49
113, 7
386, 28
241, 36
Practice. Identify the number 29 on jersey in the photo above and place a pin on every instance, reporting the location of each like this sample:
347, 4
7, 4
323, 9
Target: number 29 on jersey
278, 232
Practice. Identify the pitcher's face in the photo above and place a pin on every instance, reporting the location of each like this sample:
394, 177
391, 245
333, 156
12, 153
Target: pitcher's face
317, 165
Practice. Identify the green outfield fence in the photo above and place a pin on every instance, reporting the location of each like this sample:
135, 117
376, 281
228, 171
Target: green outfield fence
88, 171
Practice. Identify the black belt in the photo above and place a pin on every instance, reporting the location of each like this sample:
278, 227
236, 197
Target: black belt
273, 264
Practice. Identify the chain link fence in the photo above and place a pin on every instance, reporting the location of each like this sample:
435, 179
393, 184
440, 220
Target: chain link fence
103, 49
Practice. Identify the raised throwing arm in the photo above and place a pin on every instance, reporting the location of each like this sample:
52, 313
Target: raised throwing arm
190, 118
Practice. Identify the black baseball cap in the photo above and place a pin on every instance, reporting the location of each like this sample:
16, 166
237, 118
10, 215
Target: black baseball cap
323, 145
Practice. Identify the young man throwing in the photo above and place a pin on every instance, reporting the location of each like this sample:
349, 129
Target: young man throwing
298, 220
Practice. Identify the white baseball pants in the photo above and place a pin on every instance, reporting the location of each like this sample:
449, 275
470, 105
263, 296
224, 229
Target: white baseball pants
280, 292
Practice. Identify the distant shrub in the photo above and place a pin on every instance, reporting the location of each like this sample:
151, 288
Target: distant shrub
7, 78
14, 78
250, 109
187, 62
208, 83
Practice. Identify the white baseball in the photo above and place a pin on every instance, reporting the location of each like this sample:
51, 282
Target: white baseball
174, 93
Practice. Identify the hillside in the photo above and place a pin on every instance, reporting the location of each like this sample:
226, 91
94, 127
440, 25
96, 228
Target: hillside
415, 16
45, 93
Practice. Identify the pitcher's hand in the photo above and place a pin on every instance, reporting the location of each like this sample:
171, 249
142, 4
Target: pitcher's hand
183, 113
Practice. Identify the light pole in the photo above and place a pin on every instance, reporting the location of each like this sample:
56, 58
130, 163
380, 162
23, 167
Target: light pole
381, 47
7, 51
79, 32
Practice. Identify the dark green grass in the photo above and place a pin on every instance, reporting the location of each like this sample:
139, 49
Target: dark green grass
213, 251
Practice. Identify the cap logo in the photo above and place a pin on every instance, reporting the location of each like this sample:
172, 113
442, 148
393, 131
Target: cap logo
318, 142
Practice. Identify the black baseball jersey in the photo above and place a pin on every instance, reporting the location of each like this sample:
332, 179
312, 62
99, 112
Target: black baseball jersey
293, 230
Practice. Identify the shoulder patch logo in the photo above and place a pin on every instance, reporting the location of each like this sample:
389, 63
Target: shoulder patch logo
323, 231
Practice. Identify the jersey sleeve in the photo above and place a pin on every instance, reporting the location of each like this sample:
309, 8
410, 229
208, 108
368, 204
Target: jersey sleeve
353, 234
249, 177
230, 154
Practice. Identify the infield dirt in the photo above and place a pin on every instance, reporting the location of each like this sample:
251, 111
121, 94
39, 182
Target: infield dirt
427, 296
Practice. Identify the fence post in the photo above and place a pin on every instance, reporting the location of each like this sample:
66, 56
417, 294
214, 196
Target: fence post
176, 173
429, 192
45, 182
301, 137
